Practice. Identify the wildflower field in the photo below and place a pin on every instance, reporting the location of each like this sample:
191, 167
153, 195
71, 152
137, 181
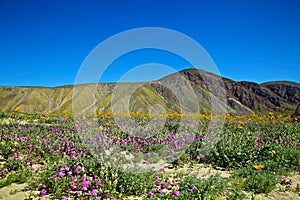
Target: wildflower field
253, 156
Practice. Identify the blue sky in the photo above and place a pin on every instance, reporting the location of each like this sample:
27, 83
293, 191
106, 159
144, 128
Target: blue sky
43, 43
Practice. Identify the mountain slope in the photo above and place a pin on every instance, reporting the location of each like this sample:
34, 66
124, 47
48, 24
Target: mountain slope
190, 90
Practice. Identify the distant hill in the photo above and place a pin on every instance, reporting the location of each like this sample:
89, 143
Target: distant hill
241, 97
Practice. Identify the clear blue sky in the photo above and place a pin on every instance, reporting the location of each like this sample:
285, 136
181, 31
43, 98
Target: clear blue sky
43, 43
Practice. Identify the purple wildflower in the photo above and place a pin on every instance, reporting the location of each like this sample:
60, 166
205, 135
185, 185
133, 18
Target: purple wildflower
176, 193
194, 188
150, 194
164, 184
73, 186
94, 192
43, 192
79, 192
78, 168
84, 184
61, 174
99, 183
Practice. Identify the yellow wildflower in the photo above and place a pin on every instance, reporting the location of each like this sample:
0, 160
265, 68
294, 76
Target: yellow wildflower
258, 167
101, 128
17, 109
89, 123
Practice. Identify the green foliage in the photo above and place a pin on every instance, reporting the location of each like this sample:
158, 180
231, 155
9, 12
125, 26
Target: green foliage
258, 181
261, 182
13, 177
193, 188
37, 151
236, 191
136, 183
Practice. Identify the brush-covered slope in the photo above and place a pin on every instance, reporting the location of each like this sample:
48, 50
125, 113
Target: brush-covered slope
171, 93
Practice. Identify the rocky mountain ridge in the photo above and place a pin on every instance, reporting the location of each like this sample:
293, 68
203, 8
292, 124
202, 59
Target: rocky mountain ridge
237, 97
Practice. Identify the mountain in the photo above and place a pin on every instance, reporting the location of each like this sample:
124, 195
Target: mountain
190, 90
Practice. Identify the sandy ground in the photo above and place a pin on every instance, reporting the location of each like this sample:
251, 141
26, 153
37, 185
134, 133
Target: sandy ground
199, 170
15, 192
276, 195
279, 195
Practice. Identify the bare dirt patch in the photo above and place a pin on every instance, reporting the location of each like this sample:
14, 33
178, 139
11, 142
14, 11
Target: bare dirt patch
199, 170
14, 192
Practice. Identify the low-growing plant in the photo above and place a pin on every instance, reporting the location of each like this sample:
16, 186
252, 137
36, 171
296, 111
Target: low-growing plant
50, 154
